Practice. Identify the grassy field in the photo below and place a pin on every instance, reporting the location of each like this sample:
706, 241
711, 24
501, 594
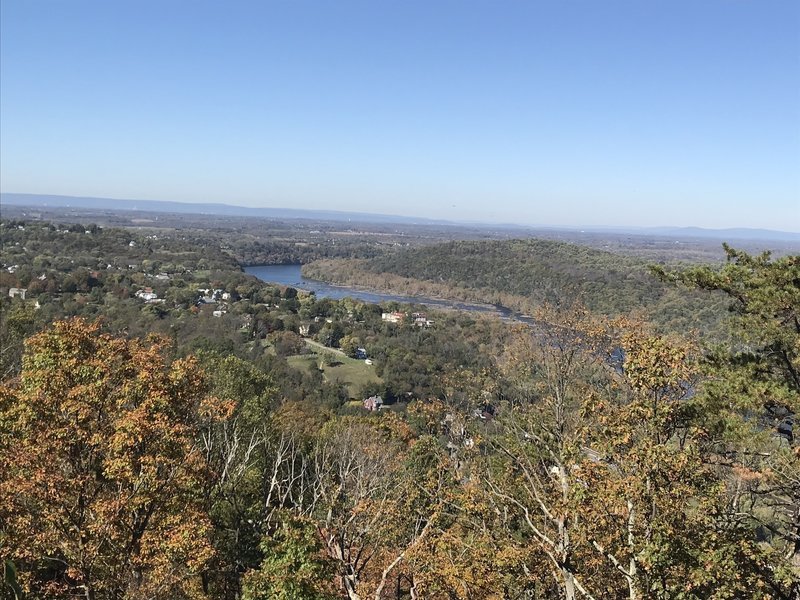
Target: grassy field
350, 372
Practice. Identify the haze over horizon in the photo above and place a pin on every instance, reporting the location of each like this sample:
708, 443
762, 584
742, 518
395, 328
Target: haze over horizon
148, 206
570, 114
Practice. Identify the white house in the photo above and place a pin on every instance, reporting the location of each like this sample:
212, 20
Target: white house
147, 294
393, 317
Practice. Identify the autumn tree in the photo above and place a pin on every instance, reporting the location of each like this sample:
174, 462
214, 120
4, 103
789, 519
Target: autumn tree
531, 474
359, 494
653, 502
604, 471
456, 556
354, 484
100, 469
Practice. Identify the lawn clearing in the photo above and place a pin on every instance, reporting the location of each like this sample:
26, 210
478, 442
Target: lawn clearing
351, 372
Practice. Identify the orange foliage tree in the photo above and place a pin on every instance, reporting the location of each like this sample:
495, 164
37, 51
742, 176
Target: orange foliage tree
100, 471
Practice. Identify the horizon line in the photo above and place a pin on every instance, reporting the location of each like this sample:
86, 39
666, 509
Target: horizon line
430, 220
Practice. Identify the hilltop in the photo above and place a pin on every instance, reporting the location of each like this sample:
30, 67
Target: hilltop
523, 274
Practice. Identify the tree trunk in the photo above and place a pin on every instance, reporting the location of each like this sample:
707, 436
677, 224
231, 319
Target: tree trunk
350, 588
413, 589
632, 566
569, 584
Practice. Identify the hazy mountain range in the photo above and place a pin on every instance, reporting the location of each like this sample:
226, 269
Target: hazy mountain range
46, 200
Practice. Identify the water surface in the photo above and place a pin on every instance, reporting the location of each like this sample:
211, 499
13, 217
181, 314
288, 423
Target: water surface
290, 275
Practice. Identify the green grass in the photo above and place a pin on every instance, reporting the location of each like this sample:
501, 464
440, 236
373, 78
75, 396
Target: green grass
303, 362
350, 372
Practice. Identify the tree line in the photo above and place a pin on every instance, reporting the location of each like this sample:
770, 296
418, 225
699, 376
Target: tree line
524, 274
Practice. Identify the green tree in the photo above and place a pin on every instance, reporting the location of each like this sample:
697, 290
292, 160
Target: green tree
294, 564
17, 321
236, 451
349, 345
288, 343
753, 391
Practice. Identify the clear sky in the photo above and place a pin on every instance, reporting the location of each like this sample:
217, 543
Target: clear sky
558, 112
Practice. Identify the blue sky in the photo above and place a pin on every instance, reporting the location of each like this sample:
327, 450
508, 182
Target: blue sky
578, 113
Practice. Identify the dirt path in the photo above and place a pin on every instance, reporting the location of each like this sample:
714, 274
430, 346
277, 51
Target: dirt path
314, 344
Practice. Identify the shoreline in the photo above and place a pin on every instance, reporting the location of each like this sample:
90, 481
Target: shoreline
442, 303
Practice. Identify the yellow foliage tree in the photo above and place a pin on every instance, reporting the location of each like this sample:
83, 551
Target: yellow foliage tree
100, 472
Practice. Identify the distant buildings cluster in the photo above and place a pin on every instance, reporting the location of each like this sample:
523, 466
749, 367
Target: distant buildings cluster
419, 319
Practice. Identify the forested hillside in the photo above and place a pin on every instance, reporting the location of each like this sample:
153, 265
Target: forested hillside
173, 432
524, 274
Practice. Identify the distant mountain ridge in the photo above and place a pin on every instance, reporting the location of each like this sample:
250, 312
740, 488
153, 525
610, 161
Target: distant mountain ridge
198, 208
52, 200
739, 233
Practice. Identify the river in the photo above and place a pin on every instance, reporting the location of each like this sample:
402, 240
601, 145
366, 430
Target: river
290, 275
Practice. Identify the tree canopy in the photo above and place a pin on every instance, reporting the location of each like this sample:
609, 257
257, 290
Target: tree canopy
100, 468
576, 456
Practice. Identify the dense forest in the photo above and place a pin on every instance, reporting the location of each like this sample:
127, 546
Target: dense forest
171, 427
524, 274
